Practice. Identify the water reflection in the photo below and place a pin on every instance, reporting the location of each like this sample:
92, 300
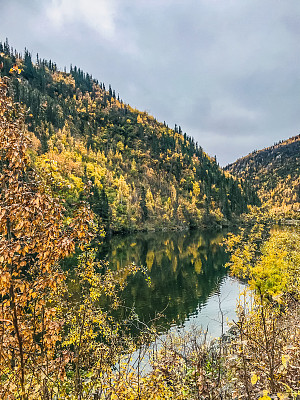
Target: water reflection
185, 268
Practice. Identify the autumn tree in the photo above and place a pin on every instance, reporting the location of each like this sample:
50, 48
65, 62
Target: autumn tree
264, 355
34, 237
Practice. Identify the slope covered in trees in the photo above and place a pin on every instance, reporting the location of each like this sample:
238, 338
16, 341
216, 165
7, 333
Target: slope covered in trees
275, 173
135, 172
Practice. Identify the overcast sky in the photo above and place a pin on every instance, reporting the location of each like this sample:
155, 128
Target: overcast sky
226, 71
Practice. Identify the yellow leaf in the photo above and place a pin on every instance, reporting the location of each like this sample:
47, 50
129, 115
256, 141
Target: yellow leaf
265, 395
254, 379
285, 360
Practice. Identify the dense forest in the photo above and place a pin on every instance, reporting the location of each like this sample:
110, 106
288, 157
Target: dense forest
136, 172
275, 173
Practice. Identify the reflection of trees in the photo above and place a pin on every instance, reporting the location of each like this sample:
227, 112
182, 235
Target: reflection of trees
185, 269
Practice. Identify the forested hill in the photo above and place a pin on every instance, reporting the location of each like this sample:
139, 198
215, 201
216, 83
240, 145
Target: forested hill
136, 173
275, 172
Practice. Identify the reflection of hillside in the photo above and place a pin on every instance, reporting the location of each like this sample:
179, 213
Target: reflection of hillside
185, 269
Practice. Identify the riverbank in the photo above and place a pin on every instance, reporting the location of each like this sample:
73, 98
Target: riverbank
259, 358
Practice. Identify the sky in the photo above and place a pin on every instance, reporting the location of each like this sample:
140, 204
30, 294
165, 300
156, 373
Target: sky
226, 71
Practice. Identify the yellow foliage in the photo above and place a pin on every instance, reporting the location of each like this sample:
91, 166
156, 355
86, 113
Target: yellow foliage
198, 265
254, 379
150, 259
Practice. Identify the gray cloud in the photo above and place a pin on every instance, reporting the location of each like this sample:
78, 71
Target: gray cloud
227, 72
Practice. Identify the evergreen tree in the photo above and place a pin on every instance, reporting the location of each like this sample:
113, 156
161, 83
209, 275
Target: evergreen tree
100, 206
143, 204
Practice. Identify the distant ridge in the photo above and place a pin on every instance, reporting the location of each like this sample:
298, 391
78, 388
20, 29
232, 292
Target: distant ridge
275, 173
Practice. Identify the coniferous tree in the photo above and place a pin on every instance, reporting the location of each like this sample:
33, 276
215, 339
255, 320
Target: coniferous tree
143, 204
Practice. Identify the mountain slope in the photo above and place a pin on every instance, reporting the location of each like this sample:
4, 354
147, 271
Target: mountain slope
275, 173
136, 173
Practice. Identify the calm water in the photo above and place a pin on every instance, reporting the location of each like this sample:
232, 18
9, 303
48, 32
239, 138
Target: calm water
189, 283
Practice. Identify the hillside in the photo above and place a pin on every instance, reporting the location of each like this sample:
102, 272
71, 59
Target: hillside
275, 173
136, 173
